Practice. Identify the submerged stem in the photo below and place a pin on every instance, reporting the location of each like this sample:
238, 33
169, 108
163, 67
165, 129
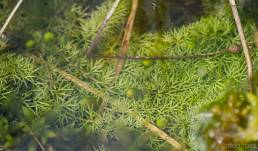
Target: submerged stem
104, 24
234, 49
10, 16
164, 136
37, 140
244, 44
174, 57
126, 38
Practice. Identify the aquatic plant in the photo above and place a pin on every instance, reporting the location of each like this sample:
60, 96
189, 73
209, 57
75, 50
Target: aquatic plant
40, 76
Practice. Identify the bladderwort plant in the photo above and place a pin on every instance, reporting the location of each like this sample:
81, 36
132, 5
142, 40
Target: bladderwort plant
166, 92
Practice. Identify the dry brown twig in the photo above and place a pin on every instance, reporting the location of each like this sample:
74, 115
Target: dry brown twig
126, 38
244, 44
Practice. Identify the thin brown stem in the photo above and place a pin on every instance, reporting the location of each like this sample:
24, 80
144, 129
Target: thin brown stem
126, 38
244, 44
164, 136
174, 57
233, 49
81, 84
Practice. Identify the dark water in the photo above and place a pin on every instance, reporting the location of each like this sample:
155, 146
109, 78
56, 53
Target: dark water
155, 15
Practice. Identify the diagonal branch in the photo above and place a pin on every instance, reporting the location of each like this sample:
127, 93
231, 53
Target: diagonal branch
244, 44
126, 38
80, 83
37, 139
100, 30
10, 16
164, 136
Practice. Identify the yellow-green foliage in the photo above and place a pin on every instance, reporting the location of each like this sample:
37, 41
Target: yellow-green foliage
16, 69
170, 90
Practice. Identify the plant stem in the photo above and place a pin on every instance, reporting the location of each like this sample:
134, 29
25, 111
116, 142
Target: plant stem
174, 57
244, 44
10, 16
37, 140
100, 30
164, 136
126, 38
80, 83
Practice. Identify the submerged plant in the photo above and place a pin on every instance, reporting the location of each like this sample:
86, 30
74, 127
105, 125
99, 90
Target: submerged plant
165, 93
232, 124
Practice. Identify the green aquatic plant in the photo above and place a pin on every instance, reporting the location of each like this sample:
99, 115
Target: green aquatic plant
166, 93
231, 124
